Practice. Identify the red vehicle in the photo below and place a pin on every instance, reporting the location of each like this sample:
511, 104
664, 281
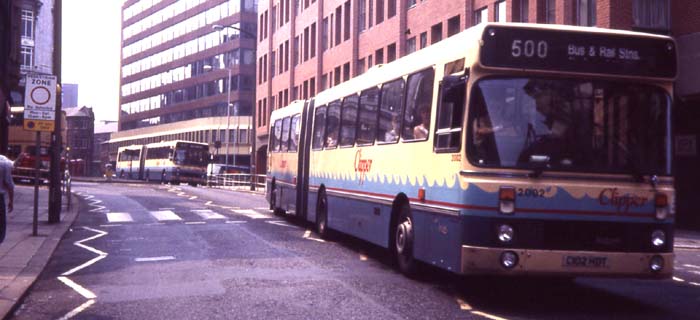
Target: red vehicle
25, 167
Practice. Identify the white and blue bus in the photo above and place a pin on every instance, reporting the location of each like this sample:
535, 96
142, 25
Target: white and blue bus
510, 149
169, 161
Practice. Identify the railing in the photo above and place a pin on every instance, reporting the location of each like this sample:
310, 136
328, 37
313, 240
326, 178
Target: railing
239, 181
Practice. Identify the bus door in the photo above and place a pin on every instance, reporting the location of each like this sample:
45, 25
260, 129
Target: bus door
303, 154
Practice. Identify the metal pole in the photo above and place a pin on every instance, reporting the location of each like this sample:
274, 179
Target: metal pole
55, 164
37, 167
228, 114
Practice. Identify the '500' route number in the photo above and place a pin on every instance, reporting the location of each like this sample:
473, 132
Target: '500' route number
529, 48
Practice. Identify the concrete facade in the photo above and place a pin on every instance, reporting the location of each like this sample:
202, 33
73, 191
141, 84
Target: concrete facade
176, 67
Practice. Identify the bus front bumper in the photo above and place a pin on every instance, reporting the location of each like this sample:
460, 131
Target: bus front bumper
481, 260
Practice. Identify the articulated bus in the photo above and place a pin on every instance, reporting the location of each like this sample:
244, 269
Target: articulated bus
169, 161
506, 149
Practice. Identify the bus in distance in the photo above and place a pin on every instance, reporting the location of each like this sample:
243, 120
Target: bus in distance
169, 161
506, 149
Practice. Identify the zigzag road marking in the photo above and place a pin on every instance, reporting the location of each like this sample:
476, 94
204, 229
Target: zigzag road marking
91, 296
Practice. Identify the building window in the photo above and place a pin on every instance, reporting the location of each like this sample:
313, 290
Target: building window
338, 24
651, 14
453, 26
324, 35
361, 15
410, 3
360, 67
313, 40
347, 20
550, 9
379, 54
380, 11
391, 53
500, 11
423, 40
480, 16
26, 57
585, 13
346, 72
411, 45
306, 43
436, 33
523, 11
391, 8
27, 24
370, 13
295, 57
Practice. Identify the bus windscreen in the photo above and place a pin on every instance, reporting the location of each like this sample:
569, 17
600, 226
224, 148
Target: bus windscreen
568, 51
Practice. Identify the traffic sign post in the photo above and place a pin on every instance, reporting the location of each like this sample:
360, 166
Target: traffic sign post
39, 115
40, 102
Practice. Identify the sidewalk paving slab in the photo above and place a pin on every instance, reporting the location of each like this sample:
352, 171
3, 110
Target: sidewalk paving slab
22, 255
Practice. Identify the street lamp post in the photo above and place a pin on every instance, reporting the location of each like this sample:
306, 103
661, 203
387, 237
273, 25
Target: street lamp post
252, 149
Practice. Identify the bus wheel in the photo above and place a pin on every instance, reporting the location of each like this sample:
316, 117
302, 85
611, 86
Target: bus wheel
273, 204
322, 216
403, 241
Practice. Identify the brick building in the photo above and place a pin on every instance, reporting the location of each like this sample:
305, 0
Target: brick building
182, 79
80, 133
306, 46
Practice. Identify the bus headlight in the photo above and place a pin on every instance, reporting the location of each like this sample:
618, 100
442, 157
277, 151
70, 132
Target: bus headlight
505, 233
658, 238
656, 263
509, 259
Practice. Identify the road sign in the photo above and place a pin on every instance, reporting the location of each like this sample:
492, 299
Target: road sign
40, 102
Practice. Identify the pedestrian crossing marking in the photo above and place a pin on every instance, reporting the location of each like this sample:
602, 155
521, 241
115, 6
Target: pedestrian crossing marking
250, 213
208, 214
165, 215
119, 217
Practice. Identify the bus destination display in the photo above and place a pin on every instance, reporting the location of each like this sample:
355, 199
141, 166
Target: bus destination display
578, 52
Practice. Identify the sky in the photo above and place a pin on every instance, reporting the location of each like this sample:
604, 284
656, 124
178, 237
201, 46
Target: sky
90, 53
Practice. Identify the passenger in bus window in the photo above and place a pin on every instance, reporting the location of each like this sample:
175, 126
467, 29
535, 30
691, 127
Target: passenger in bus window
420, 132
392, 135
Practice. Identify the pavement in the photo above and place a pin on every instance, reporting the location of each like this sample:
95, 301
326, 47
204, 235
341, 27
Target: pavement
24, 256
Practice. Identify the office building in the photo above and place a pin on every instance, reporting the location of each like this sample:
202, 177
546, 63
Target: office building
183, 79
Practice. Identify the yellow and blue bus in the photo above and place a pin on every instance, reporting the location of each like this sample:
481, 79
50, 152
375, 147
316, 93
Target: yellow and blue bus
168, 161
508, 149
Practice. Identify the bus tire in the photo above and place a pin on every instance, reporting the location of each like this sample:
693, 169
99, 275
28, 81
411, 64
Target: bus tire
322, 215
272, 195
404, 240
273, 203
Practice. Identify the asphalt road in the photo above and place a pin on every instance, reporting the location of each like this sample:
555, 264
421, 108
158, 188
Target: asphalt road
164, 252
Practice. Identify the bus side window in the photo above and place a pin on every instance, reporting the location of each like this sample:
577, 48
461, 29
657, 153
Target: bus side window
367, 124
419, 98
450, 114
319, 128
285, 134
332, 124
277, 135
390, 111
348, 128
295, 130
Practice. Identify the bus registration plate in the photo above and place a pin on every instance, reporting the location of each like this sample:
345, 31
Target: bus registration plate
592, 262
